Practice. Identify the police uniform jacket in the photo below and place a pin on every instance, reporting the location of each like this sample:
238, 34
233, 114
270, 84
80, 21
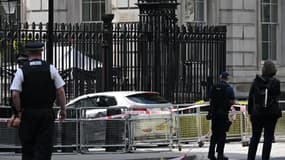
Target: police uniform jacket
37, 82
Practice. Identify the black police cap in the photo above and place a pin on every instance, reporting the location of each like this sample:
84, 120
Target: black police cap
34, 47
224, 74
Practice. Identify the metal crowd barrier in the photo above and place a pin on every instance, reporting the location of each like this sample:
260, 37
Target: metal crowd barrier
9, 139
279, 129
100, 128
101, 131
151, 129
280, 126
66, 133
192, 125
237, 128
119, 129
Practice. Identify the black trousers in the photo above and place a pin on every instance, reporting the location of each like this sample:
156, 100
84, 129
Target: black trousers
219, 128
36, 134
258, 124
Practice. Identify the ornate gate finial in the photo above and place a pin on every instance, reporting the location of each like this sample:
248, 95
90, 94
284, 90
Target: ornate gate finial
165, 9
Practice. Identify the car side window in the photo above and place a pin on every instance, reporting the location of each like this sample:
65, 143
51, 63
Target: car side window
78, 104
111, 101
87, 102
147, 98
72, 105
105, 101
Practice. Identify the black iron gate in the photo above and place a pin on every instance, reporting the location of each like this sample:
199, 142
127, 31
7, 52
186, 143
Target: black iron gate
188, 63
155, 54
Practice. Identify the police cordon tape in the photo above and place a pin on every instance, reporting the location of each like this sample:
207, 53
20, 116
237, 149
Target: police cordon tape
5, 120
132, 113
149, 112
198, 104
184, 156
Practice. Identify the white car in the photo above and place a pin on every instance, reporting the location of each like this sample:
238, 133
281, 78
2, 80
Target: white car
139, 103
133, 100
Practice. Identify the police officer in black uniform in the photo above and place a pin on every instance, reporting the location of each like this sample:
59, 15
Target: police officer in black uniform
34, 89
221, 99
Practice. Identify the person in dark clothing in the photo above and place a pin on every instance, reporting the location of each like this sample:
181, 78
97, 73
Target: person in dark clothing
263, 112
221, 98
34, 89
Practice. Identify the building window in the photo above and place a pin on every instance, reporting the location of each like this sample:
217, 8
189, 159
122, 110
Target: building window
194, 10
269, 22
9, 11
92, 10
127, 3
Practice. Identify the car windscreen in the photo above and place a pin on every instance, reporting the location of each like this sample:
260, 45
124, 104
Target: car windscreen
147, 98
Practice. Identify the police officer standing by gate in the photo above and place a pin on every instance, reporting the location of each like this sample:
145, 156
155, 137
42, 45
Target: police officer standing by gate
34, 90
221, 98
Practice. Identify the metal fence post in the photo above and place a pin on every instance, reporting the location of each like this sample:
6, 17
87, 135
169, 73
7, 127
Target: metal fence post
108, 52
50, 33
223, 30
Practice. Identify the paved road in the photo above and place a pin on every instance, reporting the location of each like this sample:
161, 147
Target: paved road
233, 150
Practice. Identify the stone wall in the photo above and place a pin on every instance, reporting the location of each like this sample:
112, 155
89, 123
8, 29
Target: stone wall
240, 16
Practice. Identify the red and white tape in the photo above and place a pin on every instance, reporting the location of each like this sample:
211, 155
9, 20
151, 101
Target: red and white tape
151, 112
4, 119
133, 113
191, 106
242, 107
184, 156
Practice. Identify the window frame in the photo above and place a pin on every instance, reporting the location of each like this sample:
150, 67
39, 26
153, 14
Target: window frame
90, 20
129, 5
16, 17
270, 56
194, 21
